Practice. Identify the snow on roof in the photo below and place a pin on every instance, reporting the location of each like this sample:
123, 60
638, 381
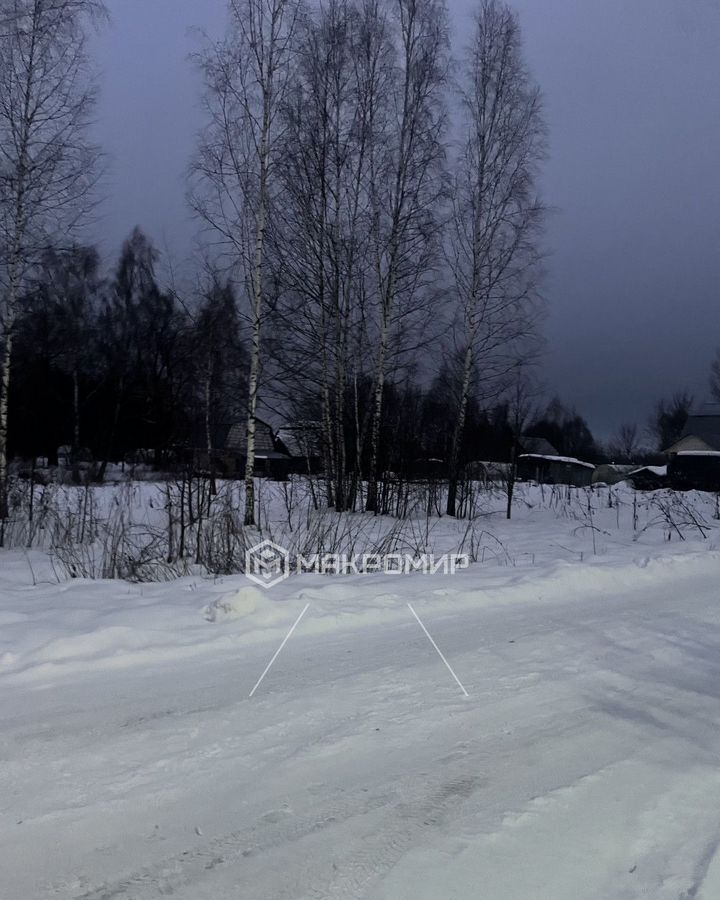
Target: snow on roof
699, 453
271, 454
704, 424
656, 470
560, 459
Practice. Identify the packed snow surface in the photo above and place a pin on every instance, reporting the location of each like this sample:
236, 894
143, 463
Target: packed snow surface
582, 765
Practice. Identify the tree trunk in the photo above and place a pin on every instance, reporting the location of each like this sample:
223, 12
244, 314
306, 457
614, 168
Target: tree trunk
257, 305
373, 474
459, 433
208, 428
6, 367
512, 473
76, 427
251, 423
4, 398
76, 409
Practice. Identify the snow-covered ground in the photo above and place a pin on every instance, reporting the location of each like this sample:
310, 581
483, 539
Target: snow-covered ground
582, 764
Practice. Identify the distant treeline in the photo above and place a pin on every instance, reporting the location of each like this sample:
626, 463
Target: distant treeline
117, 365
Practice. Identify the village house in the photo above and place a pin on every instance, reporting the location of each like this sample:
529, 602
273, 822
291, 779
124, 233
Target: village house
229, 452
701, 432
539, 461
694, 459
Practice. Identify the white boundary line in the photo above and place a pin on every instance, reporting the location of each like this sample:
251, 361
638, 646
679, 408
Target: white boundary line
439, 652
277, 652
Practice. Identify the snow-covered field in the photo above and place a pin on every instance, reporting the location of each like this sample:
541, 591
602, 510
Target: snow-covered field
582, 764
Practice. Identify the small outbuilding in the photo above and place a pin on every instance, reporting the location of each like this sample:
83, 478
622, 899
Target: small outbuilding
701, 432
649, 478
554, 470
694, 470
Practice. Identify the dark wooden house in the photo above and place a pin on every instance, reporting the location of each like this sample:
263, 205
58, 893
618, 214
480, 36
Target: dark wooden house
694, 459
302, 441
229, 452
694, 470
701, 432
649, 478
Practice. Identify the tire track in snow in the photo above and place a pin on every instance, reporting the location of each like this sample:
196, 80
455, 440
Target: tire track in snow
402, 824
274, 828
383, 848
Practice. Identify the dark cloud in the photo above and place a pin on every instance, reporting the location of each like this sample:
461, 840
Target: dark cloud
633, 102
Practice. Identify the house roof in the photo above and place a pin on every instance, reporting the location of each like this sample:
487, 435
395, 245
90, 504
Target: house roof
264, 438
704, 424
301, 439
539, 446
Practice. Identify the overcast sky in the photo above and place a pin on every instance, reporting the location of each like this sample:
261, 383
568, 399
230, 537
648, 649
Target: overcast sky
632, 91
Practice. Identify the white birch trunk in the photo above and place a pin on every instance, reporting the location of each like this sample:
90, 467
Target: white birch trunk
254, 379
459, 431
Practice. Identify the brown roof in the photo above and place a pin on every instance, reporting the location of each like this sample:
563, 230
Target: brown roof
237, 438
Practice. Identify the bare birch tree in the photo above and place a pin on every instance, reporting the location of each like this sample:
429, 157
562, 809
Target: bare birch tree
493, 245
47, 166
232, 190
406, 185
343, 77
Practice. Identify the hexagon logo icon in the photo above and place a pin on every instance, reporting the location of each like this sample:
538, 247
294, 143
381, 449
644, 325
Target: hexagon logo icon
267, 564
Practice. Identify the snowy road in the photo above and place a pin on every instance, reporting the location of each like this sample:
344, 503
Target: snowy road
584, 763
